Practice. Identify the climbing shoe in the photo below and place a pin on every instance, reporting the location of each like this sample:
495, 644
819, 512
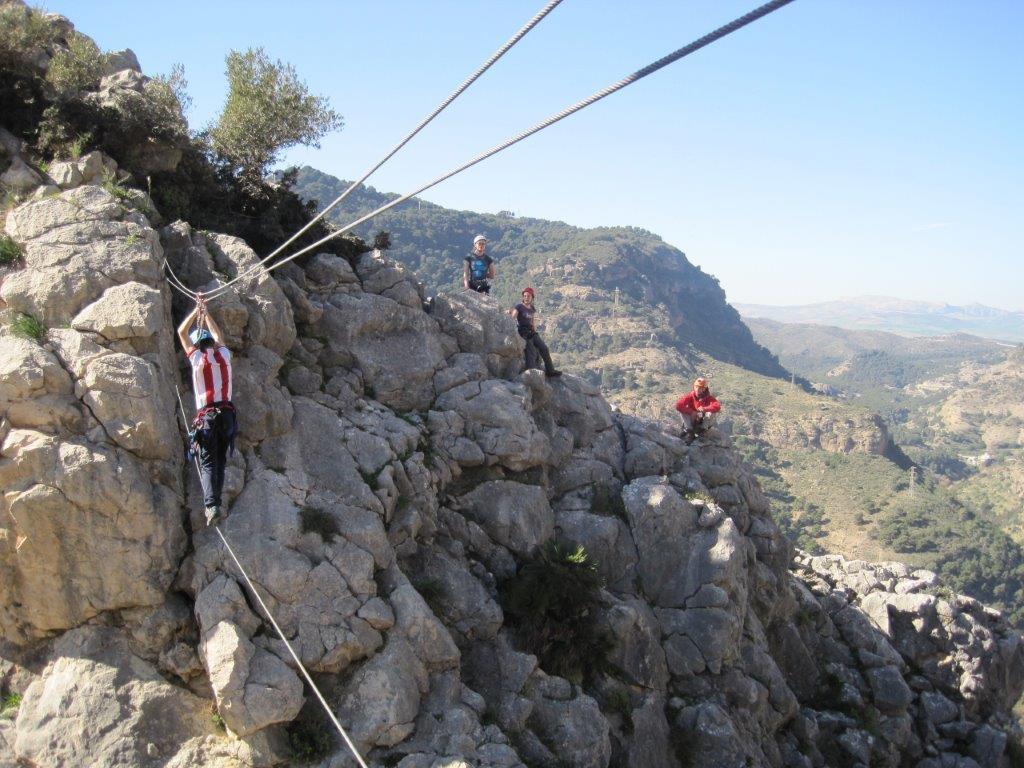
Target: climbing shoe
212, 515
552, 374
689, 436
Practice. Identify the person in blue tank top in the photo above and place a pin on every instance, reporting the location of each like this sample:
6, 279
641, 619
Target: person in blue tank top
478, 270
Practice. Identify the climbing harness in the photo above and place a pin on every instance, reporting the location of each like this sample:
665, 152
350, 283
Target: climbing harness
686, 50
204, 422
423, 124
273, 621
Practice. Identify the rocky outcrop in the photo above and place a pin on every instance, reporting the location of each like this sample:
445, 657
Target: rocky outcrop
827, 432
395, 472
90, 461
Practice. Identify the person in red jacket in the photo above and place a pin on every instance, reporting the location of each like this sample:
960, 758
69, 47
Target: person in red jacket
697, 409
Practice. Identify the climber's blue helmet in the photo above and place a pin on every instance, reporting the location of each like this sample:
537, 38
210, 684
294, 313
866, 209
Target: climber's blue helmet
199, 335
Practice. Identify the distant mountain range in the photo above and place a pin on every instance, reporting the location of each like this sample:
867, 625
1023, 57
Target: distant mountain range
884, 313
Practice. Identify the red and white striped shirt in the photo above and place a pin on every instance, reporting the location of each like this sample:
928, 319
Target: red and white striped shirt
211, 375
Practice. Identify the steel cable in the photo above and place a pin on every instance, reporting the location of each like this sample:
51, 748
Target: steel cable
696, 45
440, 108
270, 616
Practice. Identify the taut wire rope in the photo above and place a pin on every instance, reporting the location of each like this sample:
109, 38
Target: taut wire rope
176, 283
270, 616
686, 50
423, 124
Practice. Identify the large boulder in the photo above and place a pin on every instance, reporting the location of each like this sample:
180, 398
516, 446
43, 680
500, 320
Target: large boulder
96, 533
515, 515
123, 312
97, 704
477, 324
253, 688
496, 415
77, 245
397, 349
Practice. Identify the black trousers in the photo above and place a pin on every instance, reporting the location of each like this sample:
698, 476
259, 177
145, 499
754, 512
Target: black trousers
480, 286
212, 452
536, 348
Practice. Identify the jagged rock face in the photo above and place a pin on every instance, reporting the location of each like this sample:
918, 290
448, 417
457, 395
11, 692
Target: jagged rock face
864, 434
394, 470
91, 465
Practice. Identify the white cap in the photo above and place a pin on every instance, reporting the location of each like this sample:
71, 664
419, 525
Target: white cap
479, 238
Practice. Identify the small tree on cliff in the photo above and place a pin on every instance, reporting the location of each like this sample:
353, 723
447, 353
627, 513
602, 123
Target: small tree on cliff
268, 110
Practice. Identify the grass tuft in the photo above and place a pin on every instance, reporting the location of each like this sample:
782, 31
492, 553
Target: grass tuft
27, 327
10, 251
9, 705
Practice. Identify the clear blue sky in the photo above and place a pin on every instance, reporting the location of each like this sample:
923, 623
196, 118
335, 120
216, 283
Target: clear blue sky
835, 148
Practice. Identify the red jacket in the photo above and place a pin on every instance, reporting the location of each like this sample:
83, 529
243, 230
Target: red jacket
689, 403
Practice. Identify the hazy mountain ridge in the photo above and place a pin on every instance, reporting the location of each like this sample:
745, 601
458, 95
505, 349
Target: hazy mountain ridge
883, 313
861, 363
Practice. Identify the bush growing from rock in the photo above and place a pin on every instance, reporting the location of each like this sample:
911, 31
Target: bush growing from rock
309, 738
24, 34
77, 67
554, 600
10, 251
9, 705
316, 520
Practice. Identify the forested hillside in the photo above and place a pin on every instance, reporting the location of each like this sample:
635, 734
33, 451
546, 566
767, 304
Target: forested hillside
953, 405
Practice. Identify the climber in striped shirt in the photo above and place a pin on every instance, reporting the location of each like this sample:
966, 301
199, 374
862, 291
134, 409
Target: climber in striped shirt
214, 428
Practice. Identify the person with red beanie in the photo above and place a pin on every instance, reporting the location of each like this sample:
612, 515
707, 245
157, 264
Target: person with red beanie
697, 409
525, 314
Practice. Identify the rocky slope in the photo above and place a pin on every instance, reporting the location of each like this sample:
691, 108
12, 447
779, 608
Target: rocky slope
396, 473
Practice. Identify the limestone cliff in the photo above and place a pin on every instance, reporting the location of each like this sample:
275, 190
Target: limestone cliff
398, 477
395, 471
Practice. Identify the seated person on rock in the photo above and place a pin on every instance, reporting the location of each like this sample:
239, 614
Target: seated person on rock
525, 314
214, 428
697, 409
478, 270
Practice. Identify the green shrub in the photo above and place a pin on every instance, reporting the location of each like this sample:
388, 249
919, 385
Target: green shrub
310, 738
553, 602
9, 705
110, 183
10, 251
318, 521
24, 34
77, 67
27, 327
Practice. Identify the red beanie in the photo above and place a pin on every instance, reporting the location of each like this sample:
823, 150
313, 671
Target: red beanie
529, 290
